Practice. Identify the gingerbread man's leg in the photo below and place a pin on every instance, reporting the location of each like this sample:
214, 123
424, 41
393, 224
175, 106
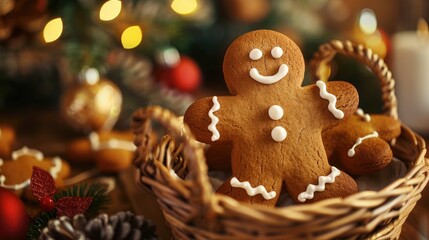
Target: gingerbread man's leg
242, 189
317, 185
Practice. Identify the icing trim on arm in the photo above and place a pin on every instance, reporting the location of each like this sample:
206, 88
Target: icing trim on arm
215, 120
311, 188
331, 98
281, 73
253, 191
352, 152
363, 115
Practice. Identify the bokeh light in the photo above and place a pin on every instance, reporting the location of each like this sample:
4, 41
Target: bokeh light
184, 6
110, 10
131, 37
53, 30
368, 21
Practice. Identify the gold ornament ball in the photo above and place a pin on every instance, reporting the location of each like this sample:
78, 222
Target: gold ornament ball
92, 106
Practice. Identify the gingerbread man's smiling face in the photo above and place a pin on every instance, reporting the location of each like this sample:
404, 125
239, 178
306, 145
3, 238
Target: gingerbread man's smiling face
262, 57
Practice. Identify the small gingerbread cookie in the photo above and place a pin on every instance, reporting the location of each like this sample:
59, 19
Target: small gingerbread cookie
7, 138
360, 144
273, 123
111, 151
15, 173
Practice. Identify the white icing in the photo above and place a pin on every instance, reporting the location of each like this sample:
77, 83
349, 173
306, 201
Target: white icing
94, 141
15, 186
255, 54
253, 191
275, 112
364, 116
359, 141
215, 120
112, 143
281, 73
56, 162
28, 152
279, 134
322, 181
331, 98
276, 52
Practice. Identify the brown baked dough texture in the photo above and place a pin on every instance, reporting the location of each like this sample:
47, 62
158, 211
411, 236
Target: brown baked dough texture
300, 159
112, 151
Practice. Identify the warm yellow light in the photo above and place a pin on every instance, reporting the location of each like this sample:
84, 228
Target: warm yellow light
368, 21
110, 10
53, 30
131, 37
184, 6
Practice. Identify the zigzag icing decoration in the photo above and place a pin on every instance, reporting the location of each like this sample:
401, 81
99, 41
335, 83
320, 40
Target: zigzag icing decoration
215, 120
331, 98
253, 191
311, 189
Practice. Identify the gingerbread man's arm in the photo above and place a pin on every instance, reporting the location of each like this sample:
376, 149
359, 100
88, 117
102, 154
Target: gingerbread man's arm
338, 101
211, 119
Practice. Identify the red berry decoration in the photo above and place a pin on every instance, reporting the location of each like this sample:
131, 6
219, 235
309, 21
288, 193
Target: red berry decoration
43, 186
47, 204
13, 216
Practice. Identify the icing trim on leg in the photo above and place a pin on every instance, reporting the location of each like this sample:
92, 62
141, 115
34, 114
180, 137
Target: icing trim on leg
253, 191
311, 188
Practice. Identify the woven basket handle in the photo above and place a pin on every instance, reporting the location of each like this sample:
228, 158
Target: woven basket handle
327, 52
199, 191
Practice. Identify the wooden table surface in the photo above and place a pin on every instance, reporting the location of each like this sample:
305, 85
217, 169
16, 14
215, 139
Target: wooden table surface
45, 130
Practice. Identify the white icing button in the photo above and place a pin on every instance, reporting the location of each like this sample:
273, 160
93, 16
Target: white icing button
275, 112
276, 52
255, 54
278, 134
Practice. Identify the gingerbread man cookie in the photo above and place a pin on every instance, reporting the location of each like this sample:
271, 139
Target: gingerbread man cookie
15, 173
7, 138
359, 145
273, 123
111, 151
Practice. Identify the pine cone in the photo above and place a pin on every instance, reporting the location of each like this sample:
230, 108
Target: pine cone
122, 225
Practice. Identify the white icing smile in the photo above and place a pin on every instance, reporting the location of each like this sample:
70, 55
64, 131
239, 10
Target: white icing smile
281, 73
256, 54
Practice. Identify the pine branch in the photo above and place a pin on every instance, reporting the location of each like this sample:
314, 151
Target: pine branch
99, 202
97, 191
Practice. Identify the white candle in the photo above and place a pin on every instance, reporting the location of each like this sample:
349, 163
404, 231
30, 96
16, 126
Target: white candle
410, 64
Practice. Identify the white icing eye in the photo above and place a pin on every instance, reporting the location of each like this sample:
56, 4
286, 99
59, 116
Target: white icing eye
276, 52
255, 54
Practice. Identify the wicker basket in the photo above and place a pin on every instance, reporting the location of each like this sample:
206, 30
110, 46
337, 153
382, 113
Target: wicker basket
174, 170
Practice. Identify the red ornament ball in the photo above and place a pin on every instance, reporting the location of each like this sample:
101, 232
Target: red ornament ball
184, 76
13, 216
47, 204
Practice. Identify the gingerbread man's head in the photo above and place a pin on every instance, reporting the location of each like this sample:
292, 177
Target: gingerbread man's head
262, 57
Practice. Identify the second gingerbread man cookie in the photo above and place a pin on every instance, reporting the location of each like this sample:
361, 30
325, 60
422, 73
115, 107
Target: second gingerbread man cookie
273, 123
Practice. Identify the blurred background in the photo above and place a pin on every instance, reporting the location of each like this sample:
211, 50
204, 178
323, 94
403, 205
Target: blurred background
94, 61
